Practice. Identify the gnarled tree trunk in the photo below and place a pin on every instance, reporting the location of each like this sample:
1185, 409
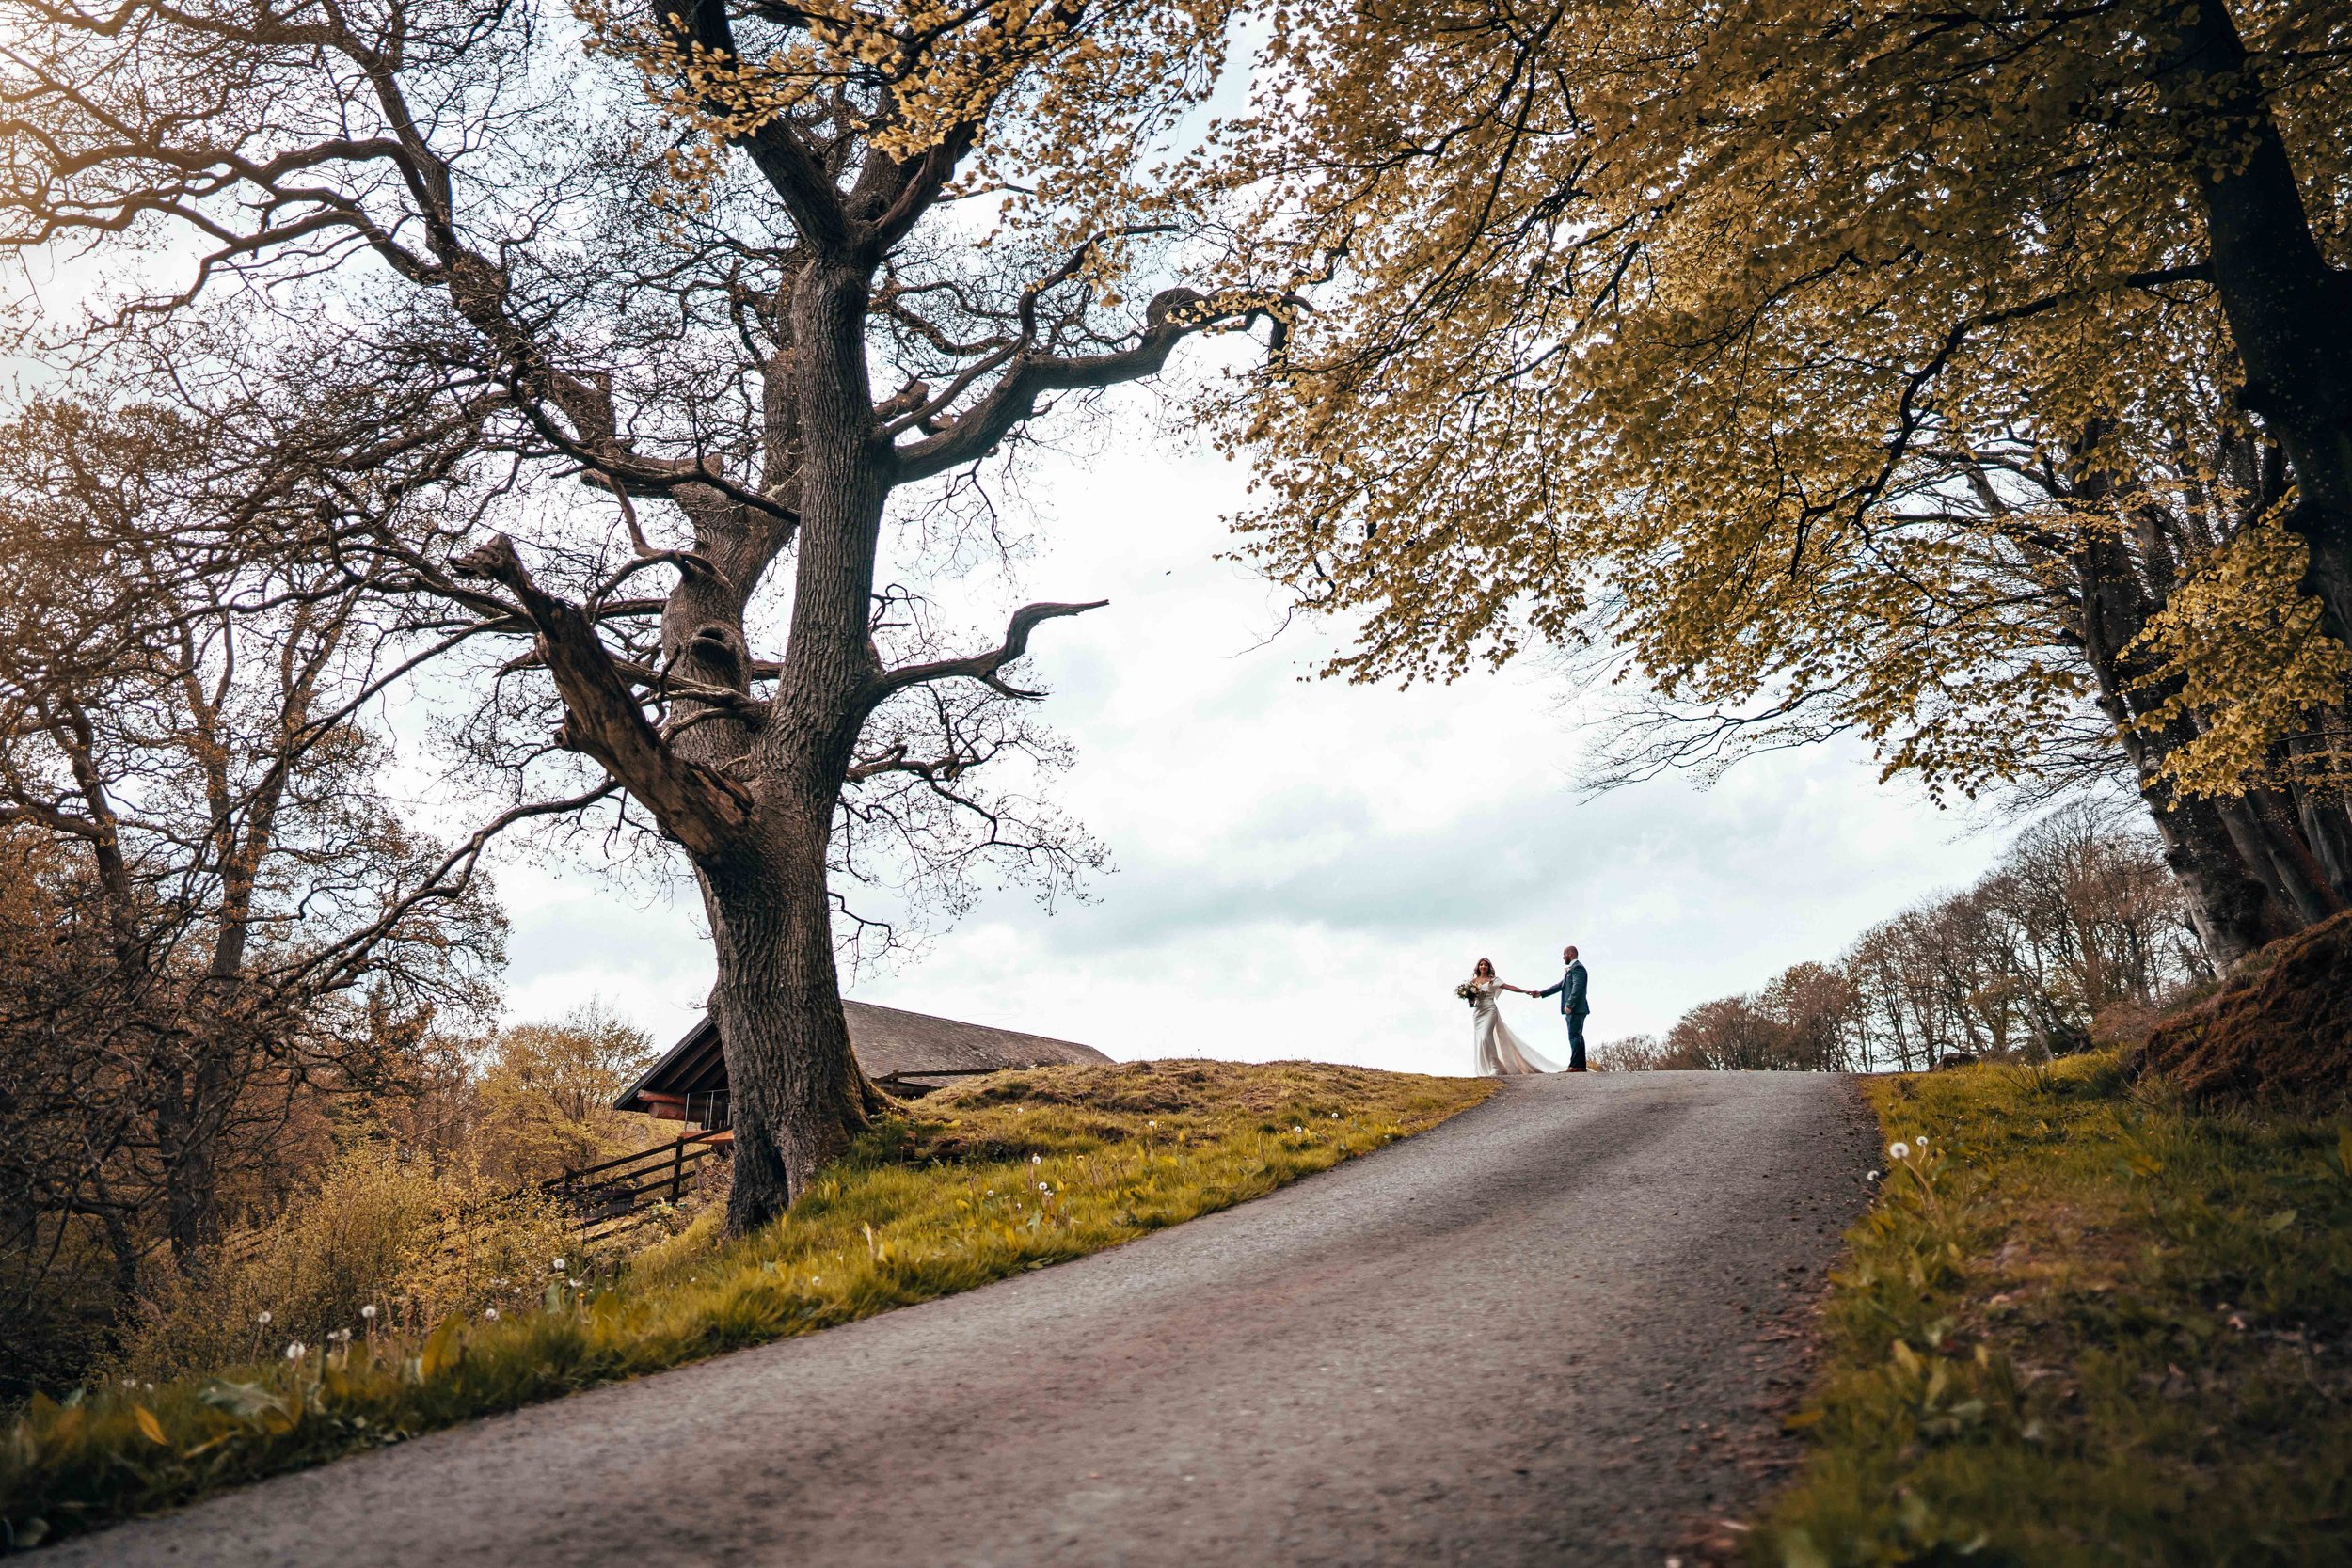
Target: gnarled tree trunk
2234, 909
797, 1094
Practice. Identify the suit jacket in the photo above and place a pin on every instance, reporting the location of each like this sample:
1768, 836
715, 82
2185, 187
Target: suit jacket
1570, 989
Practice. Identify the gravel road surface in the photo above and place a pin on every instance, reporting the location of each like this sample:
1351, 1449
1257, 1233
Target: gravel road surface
1554, 1330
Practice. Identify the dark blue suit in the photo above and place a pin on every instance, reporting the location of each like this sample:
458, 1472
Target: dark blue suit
1570, 990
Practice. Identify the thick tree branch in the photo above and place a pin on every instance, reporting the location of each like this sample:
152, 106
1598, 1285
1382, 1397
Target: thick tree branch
1173, 315
603, 720
793, 172
984, 667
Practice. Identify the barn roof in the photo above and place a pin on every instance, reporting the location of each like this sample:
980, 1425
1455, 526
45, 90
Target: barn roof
889, 1042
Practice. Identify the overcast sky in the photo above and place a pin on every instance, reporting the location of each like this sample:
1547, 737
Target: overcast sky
1306, 869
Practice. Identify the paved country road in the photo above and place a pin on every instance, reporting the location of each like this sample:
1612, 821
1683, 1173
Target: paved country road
1541, 1333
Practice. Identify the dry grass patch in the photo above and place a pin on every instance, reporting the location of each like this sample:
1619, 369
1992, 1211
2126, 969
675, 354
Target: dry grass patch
994, 1177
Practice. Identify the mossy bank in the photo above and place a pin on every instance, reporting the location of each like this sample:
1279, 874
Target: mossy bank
2085, 1324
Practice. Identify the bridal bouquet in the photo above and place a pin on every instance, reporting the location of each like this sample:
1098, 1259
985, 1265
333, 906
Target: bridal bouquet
1467, 991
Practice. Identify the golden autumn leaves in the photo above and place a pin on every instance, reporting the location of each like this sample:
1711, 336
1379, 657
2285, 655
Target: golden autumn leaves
2244, 642
1055, 99
1847, 368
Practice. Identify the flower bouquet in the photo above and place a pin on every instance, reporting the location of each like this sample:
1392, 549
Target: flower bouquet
1467, 991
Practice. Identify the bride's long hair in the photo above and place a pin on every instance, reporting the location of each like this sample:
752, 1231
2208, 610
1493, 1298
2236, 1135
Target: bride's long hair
1482, 970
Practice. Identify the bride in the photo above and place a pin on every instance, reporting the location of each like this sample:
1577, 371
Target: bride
1498, 1053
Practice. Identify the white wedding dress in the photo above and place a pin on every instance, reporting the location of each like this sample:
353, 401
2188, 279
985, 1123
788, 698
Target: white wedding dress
1498, 1053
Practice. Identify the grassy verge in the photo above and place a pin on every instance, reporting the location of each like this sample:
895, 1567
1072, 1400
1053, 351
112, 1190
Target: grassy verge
2085, 1324
999, 1176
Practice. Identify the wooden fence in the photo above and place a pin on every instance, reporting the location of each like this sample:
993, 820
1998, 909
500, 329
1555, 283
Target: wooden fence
597, 1194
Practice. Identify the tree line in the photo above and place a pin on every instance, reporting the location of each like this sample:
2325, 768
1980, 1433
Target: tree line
2079, 933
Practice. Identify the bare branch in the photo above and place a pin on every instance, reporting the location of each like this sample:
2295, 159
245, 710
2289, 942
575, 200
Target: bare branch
979, 667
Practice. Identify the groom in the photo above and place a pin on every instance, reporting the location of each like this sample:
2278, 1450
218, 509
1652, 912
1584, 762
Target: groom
1570, 990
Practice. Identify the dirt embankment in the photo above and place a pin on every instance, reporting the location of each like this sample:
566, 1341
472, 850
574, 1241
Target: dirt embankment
2281, 1031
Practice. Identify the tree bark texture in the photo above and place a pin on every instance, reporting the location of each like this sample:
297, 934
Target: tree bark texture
2234, 908
2289, 312
798, 1096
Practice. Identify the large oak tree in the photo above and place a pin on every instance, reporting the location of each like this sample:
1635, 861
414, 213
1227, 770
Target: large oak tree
746, 270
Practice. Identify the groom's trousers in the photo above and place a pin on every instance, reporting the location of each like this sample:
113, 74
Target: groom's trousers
1576, 1042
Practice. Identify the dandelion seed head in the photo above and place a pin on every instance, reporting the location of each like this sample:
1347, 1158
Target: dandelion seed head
262, 1318
368, 1312
491, 1313
294, 1352
1899, 1152
559, 1265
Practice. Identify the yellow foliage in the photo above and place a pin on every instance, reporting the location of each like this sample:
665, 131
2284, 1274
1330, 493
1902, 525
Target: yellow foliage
1056, 103
2242, 640
1796, 348
547, 1093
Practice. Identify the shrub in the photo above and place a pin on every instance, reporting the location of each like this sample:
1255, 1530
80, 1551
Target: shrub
382, 1229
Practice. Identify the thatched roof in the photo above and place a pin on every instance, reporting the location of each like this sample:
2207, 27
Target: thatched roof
902, 1046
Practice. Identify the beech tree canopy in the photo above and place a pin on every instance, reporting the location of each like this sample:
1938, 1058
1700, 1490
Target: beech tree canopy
1974, 378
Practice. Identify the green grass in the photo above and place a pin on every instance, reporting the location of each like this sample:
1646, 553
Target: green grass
1002, 1175
2085, 1324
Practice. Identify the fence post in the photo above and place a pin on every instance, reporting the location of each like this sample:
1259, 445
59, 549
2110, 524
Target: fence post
677, 1169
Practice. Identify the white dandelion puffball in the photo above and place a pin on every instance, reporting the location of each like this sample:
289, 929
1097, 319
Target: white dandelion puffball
559, 1265
262, 1318
295, 1351
1899, 1152
368, 1312
491, 1313
1037, 1159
